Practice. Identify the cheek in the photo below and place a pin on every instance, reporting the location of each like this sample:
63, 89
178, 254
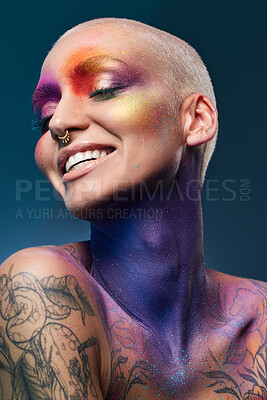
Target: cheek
147, 120
43, 155
143, 112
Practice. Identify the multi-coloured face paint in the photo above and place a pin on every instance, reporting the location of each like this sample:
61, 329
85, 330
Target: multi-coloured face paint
86, 73
101, 73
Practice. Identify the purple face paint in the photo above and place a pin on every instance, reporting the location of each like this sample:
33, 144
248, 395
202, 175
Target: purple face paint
45, 92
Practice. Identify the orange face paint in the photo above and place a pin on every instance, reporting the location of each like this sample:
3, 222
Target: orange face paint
85, 69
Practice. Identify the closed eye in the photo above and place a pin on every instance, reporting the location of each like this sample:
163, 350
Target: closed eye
105, 93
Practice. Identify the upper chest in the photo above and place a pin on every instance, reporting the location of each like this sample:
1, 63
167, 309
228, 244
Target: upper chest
227, 359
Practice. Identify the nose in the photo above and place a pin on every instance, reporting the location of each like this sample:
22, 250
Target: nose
69, 117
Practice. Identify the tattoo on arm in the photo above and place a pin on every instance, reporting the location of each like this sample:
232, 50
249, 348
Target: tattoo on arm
53, 363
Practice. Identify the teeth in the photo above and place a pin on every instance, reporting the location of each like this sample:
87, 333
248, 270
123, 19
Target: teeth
85, 156
78, 157
96, 154
88, 154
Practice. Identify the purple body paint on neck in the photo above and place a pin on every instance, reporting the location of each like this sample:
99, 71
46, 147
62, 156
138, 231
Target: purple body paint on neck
153, 267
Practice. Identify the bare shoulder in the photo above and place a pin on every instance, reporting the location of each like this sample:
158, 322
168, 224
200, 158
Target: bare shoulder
240, 312
241, 307
71, 255
247, 292
51, 334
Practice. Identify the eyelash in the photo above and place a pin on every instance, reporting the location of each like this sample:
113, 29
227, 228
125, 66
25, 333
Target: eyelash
41, 125
109, 92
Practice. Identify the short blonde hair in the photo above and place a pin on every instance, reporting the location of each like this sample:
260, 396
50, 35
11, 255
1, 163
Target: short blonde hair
186, 73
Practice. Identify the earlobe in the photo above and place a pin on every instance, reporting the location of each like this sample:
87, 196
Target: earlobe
200, 120
203, 135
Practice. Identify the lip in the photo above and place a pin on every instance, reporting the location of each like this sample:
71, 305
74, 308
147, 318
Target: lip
84, 169
80, 147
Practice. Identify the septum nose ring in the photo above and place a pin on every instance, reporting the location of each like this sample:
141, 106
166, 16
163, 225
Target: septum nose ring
65, 138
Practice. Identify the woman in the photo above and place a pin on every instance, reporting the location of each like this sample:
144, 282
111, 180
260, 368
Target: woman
129, 123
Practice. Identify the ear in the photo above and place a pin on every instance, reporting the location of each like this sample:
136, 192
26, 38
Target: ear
199, 118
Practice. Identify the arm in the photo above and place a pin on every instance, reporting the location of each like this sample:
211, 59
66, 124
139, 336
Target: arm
50, 330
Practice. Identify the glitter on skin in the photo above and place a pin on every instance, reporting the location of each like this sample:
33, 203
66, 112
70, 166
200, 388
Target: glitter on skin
148, 112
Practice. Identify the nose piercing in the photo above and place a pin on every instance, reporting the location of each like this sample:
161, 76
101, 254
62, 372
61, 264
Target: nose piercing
65, 138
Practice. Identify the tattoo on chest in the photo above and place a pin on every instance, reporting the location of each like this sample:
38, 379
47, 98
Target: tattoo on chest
246, 353
128, 368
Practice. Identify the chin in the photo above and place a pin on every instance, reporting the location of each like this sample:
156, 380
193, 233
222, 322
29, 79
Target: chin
96, 207
87, 209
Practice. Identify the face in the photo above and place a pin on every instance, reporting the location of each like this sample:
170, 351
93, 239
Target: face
110, 97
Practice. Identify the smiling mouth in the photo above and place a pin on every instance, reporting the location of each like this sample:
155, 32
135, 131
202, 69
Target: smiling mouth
81, 158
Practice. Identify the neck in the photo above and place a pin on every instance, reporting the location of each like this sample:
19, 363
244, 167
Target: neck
150, 258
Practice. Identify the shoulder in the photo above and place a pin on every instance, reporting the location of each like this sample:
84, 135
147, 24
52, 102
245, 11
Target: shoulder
238, 298
242, 301
57, 270
50, 325
68, 255
243, 290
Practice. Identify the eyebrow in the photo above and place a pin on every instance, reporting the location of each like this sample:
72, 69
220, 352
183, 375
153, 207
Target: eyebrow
96, 64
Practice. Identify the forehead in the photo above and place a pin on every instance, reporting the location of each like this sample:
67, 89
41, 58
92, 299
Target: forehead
80, 43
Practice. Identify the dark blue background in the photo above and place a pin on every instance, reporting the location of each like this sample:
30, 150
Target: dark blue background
230, 37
